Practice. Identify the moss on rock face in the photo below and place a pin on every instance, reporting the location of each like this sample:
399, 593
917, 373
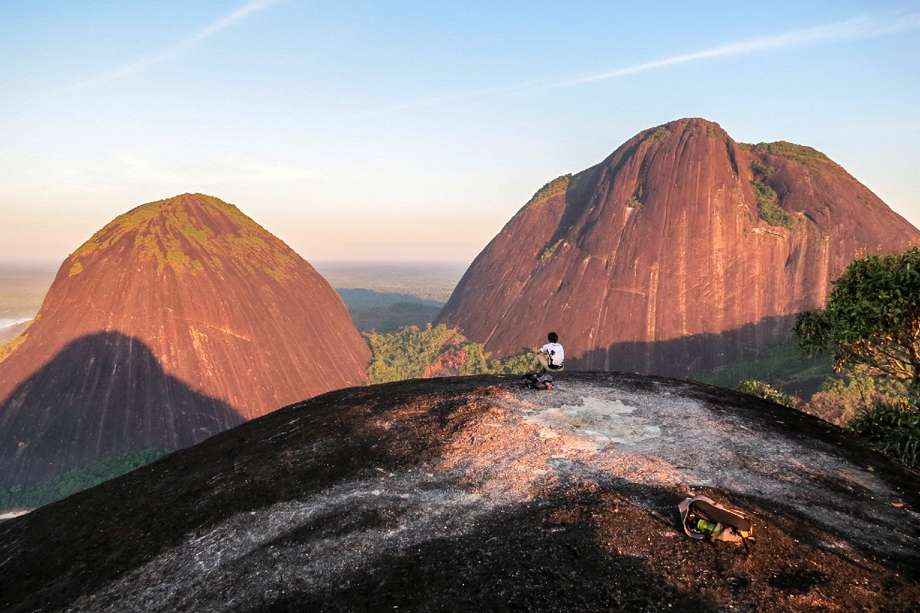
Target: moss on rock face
557, 186
549, 251
768, 206
189, 232
803, 154
660, 133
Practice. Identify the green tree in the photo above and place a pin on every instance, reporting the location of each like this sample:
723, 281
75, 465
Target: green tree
872, 318
892, 428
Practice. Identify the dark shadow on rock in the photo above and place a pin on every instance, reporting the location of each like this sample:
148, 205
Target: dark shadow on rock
680, 357
79, 544
102, 395
513, 560
300, 453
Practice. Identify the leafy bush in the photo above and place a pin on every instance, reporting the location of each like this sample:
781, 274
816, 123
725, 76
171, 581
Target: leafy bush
634, 203
766, 391
894, 429
842, 399
74, 481
478, 362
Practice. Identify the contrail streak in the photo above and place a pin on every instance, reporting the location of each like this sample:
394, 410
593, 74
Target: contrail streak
222, 23
856, 28
862, 27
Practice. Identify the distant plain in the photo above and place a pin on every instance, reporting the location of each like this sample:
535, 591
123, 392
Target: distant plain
380, 296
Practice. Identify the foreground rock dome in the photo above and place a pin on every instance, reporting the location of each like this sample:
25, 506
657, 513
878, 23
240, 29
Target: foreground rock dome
477, 494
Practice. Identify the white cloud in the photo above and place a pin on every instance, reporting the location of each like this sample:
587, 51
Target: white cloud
184, 45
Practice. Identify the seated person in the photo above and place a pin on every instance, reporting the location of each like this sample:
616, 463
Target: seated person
551, 356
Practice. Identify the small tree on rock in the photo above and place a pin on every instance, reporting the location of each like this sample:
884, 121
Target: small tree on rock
872, 319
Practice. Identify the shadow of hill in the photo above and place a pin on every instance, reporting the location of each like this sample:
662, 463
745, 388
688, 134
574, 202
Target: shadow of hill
101, 395
682, 356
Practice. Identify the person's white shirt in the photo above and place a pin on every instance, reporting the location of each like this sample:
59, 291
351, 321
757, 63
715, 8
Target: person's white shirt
555, 352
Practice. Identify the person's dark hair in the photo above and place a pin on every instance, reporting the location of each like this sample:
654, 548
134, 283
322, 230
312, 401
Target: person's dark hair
553, 337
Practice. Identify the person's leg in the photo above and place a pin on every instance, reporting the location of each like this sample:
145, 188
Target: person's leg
541, 362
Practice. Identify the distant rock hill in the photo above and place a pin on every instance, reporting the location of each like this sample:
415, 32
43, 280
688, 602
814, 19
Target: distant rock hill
679, 252
177, 320
475, 494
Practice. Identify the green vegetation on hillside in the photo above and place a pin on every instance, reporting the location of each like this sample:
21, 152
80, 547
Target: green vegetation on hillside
660, 133
165, 232
407, 353
843, 399
764, 390
761, 171
768, 207
557, 186
634, 202
549, 251
76, 480
799, 153
876, 409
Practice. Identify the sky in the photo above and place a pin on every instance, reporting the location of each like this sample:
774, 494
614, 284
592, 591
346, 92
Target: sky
412, 131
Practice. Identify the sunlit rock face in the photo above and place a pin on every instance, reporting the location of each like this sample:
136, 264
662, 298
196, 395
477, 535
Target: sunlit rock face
680, 251
175, 321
